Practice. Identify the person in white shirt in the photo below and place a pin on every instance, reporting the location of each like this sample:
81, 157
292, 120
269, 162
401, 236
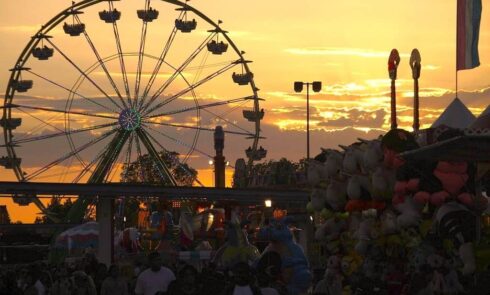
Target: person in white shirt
243, 281
155, 279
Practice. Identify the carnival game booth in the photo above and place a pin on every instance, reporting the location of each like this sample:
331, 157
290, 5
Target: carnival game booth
391, 215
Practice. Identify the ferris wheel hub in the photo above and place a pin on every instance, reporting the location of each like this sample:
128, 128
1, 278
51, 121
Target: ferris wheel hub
130, 119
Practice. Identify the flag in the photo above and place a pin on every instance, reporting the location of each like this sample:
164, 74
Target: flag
468, 29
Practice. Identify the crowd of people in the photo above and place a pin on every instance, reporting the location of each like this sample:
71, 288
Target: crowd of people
89, 277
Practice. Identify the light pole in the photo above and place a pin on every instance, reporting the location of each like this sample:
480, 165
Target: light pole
298, 87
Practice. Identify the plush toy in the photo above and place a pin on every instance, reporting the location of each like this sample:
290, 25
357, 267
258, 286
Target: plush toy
388, 222
395, 279
436, 264
336, 195
353, 159
455, 222
331, 229
449, 180
316, 172
368, 231
373, 155
359, 186
237, 248
332, 281
294, 265
333, 163
410, 213
360, 196
383, 182
350, 265
318, 199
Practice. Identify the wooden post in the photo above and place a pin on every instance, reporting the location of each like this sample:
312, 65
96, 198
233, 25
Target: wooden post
105, 218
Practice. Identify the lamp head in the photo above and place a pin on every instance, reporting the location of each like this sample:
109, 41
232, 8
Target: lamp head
298, 86
317, 86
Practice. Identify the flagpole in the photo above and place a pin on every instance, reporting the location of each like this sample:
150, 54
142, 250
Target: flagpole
456, 49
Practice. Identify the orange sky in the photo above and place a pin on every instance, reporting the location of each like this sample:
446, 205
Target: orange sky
344, 44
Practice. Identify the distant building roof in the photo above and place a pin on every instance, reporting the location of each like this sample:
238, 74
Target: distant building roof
456, 115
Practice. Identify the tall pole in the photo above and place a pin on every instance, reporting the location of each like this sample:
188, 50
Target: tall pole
307, 121
416, 123
456, 51
219, 159
415, 61
393, 62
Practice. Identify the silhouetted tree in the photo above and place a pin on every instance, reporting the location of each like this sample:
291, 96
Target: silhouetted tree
56, 208
143, 170
276, 173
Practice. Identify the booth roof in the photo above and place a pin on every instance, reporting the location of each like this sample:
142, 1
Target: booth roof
472, 148
456, 115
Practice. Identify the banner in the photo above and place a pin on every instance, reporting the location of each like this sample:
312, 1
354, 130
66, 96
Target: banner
468, 30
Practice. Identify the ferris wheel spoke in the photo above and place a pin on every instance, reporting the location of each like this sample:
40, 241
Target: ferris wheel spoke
129, 152
41, 120
161, 60
179, 163
62, 111
197, 128
84, 74
111, 154
69, 155
141, 54
162, 168
177, 72
122, 64
101, 63
27, 133
190, 88
71, 91
203, 106
180, 142
229, 122
113, 167
86, 168
70, 132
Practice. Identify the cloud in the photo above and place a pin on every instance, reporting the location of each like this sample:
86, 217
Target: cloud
430, 67
339, 51
428, 92
357, 118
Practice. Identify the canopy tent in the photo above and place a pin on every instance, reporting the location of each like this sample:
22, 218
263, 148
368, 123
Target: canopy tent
81, 237
472, 148
483, 121
456, 115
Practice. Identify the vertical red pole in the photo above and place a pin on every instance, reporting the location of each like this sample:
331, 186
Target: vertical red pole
416, 123
393, 105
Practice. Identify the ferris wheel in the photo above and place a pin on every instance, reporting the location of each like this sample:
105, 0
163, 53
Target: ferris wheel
104, 83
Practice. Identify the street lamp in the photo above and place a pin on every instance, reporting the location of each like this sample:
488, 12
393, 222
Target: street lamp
317, 87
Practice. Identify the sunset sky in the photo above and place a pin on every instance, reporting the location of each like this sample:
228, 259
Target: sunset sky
344, 44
